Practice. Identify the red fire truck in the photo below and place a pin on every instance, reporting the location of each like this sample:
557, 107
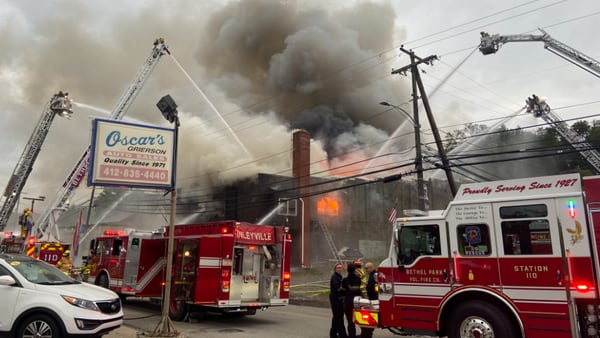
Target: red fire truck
514, 258
223, 266
50, 252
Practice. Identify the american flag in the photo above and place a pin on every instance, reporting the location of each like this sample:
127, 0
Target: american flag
393, 215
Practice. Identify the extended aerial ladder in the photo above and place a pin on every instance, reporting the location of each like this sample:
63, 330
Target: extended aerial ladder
490, 44
539, 108
47, 223
60, 105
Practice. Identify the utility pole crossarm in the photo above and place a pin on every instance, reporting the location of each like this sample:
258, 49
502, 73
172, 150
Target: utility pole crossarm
417, 84
402, 70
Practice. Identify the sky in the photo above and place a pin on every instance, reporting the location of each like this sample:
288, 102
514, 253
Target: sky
268, 67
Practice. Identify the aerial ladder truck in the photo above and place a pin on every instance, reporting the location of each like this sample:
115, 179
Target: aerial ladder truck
60, 105
539, 108
46, 227
490, 44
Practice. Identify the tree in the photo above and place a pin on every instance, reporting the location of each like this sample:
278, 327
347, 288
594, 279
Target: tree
458, 136
582, 128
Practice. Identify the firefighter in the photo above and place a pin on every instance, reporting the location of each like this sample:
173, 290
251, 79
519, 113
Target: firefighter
65, 264
372, 288
336, 300
25, 223
362, 275
351, 284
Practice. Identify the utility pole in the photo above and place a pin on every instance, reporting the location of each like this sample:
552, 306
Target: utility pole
415, 61
418, 154
165, 328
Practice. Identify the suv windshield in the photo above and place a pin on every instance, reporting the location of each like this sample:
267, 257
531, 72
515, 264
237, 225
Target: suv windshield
40, 272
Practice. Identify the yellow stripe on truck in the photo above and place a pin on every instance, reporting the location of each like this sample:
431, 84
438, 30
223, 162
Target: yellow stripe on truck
366, 318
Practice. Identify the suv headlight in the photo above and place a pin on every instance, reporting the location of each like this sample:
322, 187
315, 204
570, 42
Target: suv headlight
82, 303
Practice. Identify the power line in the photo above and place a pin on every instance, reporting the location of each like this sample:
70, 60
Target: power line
269, 201
429, 143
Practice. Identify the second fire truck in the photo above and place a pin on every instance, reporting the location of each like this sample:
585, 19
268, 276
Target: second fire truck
223, 266
514, 258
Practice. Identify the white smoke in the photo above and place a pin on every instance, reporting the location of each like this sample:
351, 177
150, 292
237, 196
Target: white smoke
268, 67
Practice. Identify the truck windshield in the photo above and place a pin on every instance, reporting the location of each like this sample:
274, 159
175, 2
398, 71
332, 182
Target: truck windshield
40, 272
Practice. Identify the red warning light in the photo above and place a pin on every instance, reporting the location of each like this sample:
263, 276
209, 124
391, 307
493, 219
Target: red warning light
114, 232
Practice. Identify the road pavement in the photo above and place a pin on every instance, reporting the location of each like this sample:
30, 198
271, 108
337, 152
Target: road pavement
292, 321
123, 332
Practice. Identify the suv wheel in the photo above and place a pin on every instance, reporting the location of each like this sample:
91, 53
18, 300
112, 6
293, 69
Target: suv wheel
40, 325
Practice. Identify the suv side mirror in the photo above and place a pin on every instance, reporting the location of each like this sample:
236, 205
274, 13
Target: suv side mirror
7, 280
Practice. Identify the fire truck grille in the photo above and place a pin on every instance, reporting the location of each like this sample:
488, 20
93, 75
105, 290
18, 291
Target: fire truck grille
113, 306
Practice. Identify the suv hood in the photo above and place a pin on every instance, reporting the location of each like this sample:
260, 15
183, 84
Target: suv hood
83, 290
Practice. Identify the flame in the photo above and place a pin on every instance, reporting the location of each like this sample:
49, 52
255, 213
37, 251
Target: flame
328, 206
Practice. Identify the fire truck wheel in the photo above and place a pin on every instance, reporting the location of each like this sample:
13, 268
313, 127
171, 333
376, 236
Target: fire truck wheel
178, 310
480, 319
103, 281
39, 325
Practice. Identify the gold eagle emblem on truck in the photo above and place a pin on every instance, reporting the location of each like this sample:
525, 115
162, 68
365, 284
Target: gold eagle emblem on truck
576, 234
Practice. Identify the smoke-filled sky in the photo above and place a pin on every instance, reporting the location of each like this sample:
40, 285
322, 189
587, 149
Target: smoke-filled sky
268, 67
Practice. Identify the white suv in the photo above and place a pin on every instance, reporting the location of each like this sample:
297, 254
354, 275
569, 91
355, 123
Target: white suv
39, 300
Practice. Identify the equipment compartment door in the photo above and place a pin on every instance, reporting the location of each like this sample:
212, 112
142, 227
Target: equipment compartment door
246, 274
151, 270
212, 250
270, 273
186, 263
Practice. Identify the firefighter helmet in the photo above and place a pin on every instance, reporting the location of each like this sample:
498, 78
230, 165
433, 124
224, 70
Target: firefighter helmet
67, 253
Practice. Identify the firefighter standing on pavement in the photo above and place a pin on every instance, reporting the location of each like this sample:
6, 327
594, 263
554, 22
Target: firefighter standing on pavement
336, 300
66, 262
351, 284
362, 275
372, 289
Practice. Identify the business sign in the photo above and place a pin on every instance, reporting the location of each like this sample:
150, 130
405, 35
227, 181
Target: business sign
133, 155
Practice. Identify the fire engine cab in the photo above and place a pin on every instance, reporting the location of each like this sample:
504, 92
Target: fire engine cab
223, 266
514, 258
50, 252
